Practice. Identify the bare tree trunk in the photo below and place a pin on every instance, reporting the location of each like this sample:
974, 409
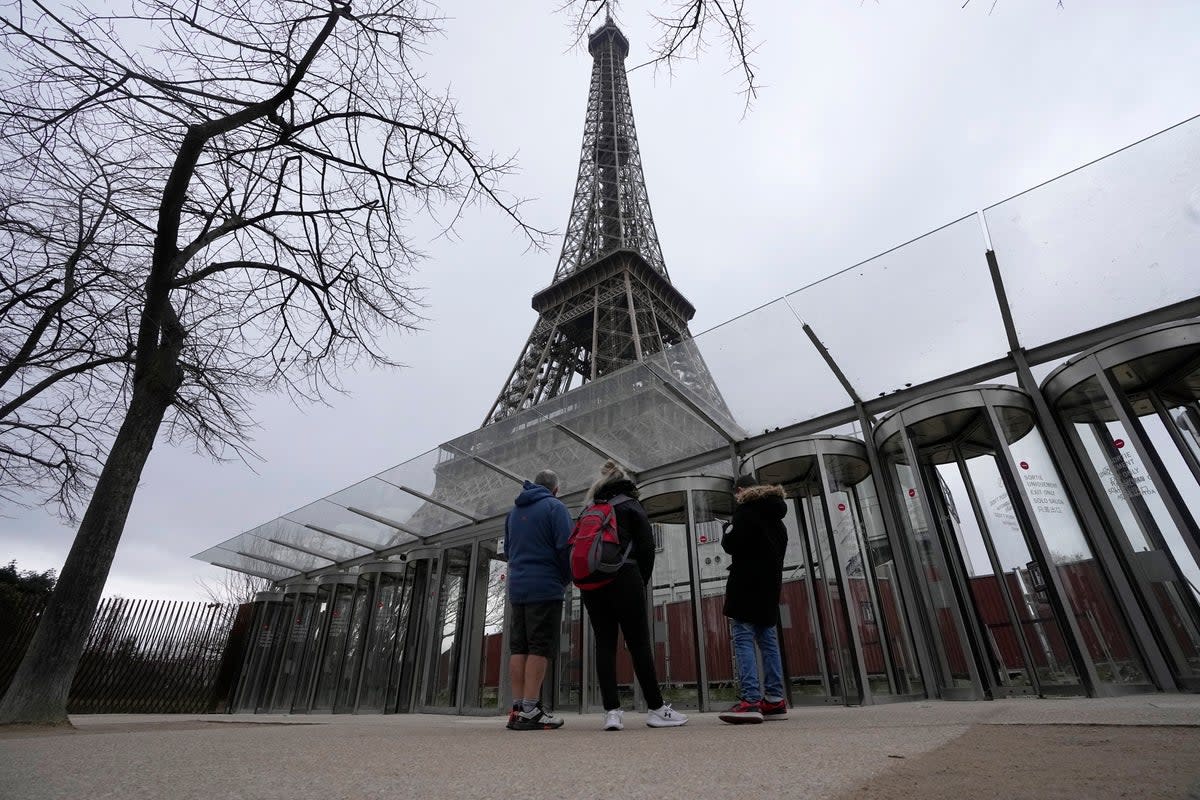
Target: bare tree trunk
39, 690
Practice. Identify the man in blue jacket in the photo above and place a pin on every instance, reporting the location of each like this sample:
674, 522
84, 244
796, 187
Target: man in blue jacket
535, 540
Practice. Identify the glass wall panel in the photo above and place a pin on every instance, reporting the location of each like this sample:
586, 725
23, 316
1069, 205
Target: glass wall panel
912, 350
338, 626
1147, 535
710, 512
570, 662
673, 626
1120, 232
1003, 577
266, 640
488, 618
952, 651
1103, 628
386, 638
801, 385
886, 650
449, 628
301, 639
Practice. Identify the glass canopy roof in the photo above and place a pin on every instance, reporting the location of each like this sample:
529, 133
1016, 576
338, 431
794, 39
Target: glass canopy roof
1077, 257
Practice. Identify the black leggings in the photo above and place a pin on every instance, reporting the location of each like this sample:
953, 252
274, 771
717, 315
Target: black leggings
622, 603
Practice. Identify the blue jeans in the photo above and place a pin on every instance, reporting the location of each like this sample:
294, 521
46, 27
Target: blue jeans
753, 687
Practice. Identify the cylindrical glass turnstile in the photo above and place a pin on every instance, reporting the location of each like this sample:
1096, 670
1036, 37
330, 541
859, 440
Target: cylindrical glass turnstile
692, 652
324, 646
845, 638
267, 635
386, 636
1013, 597
298, 632
1131, 412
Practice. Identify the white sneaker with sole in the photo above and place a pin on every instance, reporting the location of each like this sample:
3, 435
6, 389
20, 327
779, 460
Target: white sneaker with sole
665, 717
614, 720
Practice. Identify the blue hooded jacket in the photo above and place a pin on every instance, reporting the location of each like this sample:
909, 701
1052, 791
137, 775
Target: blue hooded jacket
535, 541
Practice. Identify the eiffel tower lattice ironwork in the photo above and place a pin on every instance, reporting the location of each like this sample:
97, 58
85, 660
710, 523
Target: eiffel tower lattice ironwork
612, 302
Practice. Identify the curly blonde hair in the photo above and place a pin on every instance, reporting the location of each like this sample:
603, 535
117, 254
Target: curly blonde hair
609, 473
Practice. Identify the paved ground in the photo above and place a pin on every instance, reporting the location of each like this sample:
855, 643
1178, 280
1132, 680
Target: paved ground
1140, 747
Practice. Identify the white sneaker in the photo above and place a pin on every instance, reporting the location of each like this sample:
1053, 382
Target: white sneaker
665, 717
614, 720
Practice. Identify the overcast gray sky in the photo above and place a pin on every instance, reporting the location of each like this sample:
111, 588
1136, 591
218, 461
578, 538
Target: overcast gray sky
878, 122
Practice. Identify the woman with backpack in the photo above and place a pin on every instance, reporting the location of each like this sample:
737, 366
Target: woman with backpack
620, 602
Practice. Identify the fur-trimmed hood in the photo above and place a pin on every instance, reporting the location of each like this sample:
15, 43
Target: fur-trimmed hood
760, 493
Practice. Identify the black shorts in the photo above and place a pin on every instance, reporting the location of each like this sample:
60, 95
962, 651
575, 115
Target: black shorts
535, 628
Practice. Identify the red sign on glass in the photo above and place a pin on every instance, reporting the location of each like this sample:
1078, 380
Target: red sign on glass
912, 492
841, 506
1118, 443
1024, 465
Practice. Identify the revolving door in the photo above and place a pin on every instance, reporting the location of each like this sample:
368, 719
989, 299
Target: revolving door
1130, 409
844, 634
692, 652
1014, 600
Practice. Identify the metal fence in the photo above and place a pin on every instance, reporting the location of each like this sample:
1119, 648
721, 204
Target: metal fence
142, 656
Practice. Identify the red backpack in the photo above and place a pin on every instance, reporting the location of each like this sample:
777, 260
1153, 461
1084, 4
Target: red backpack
595, 548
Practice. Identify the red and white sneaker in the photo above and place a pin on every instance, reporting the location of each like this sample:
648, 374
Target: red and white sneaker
773, 711
742, 713
512, 716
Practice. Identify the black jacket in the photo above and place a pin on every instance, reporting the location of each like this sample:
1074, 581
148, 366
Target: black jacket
632, 524
756, 538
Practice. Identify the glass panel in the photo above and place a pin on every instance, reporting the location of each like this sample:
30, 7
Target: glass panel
264, 645
630, 415
523, 444
301, 638
385, 638
337, 623
672, 616
396, 508
449, 628
951, 651
1121, 232
324, 514
1147, 536
220, 556
830, 603
1185, 483
911, 281
801, 385
287, 535
347, 685
491, 600
570, 655
863, 605
801, 646
710, 512
889, 628
1105, 634
1011, 581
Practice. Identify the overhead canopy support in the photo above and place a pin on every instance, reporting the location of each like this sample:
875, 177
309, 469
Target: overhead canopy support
493, 467
269, 560
344, 537
306, 550
385, 521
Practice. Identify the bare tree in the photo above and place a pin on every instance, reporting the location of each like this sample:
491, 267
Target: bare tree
236, 176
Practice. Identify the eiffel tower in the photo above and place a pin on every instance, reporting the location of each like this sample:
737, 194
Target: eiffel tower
612, 303
611, 307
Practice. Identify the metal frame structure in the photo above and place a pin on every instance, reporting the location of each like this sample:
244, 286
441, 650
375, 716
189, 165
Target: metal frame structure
611, 371
611, 303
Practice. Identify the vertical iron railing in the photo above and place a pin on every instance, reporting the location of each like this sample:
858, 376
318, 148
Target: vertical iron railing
142, 656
